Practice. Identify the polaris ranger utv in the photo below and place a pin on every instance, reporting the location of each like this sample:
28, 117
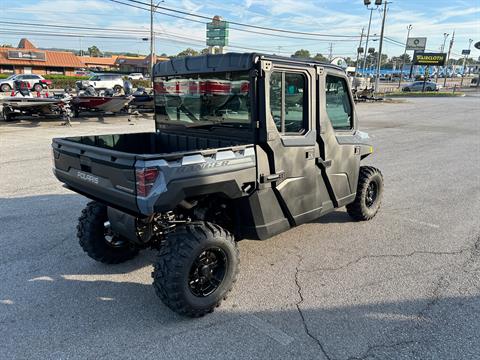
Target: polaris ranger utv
246, 146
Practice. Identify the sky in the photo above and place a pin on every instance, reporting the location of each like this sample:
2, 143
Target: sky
429, 18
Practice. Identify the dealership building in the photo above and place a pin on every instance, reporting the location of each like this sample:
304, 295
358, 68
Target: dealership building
27, 59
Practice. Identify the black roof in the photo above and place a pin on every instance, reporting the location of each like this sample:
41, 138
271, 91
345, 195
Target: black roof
223, 63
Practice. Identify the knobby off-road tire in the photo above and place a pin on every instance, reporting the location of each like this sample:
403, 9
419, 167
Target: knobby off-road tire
194, 259
92, 236
369, 194
7, 114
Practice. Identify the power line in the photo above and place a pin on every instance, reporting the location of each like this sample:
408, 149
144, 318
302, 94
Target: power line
113, 34
246, 25
234, 28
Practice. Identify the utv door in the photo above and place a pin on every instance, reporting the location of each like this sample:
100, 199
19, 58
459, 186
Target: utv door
291, 140
339, 140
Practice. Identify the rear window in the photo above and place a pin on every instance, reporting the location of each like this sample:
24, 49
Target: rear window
220, 99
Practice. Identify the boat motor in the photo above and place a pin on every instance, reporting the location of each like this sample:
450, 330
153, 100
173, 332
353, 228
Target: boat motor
21, 87
127, 87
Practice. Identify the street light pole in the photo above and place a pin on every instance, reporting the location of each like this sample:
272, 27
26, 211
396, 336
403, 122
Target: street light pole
379, 62
465, 60
409, 28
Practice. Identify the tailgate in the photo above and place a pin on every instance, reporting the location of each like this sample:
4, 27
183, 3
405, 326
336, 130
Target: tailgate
98, 173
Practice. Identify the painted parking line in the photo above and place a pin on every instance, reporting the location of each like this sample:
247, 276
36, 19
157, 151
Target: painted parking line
268, 329
435, 226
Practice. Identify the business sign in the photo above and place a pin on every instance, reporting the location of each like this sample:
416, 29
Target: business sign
434, 59
217, 32
477, 45
340, 62
466, 52
26, 55
418, 43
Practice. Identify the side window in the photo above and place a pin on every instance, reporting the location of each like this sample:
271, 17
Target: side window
288, 100
276, 99
339, 107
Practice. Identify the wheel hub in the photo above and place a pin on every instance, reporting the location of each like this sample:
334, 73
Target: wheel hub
207, 272
371, 194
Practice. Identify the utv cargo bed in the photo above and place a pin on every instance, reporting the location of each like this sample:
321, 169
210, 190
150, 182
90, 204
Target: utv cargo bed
105, 167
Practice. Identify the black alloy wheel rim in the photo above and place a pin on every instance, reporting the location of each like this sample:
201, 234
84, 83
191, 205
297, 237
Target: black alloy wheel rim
111, 239
371, 194
207, 272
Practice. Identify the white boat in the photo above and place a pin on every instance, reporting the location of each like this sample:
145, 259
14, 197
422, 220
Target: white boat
13, 106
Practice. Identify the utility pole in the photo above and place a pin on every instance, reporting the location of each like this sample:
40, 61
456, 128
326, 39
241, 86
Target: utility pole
358, 57
409, 28
448, 57
465, 60
442, 49
366, 43
379, 62
152, 42
330, 51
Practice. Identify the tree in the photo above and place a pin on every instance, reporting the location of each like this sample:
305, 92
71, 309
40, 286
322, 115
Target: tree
6, 46
320, 57
301, 54
188, 52
372, 59
94, 51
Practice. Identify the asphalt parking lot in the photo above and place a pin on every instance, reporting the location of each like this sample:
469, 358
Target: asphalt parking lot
404, 285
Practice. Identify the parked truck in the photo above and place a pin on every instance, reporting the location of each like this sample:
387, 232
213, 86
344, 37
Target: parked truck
246, 146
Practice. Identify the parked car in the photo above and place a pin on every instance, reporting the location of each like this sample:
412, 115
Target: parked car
33, 81
136, 76
418, 86
102, 81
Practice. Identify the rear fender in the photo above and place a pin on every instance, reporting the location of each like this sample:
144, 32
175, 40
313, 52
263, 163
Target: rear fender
229, 171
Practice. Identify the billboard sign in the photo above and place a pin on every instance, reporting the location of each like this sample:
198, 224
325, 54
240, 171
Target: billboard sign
466, 52
477, 45
417, 43
26, 55
434, 59
217, 32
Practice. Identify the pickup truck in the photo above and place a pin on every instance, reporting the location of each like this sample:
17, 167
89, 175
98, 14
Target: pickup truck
246, 146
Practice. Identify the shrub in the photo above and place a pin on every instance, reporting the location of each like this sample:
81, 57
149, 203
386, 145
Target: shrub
62, 81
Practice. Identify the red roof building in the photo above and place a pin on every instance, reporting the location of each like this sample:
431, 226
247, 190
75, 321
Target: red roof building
26, 59
99, 63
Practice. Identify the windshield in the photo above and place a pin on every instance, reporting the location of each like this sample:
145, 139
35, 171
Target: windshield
11, 77
220, 99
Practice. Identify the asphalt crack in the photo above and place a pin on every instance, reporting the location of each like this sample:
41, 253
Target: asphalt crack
440, 284
372, 349
379, 256
302, 315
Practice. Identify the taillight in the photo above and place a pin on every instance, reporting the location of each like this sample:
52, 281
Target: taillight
145, 178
